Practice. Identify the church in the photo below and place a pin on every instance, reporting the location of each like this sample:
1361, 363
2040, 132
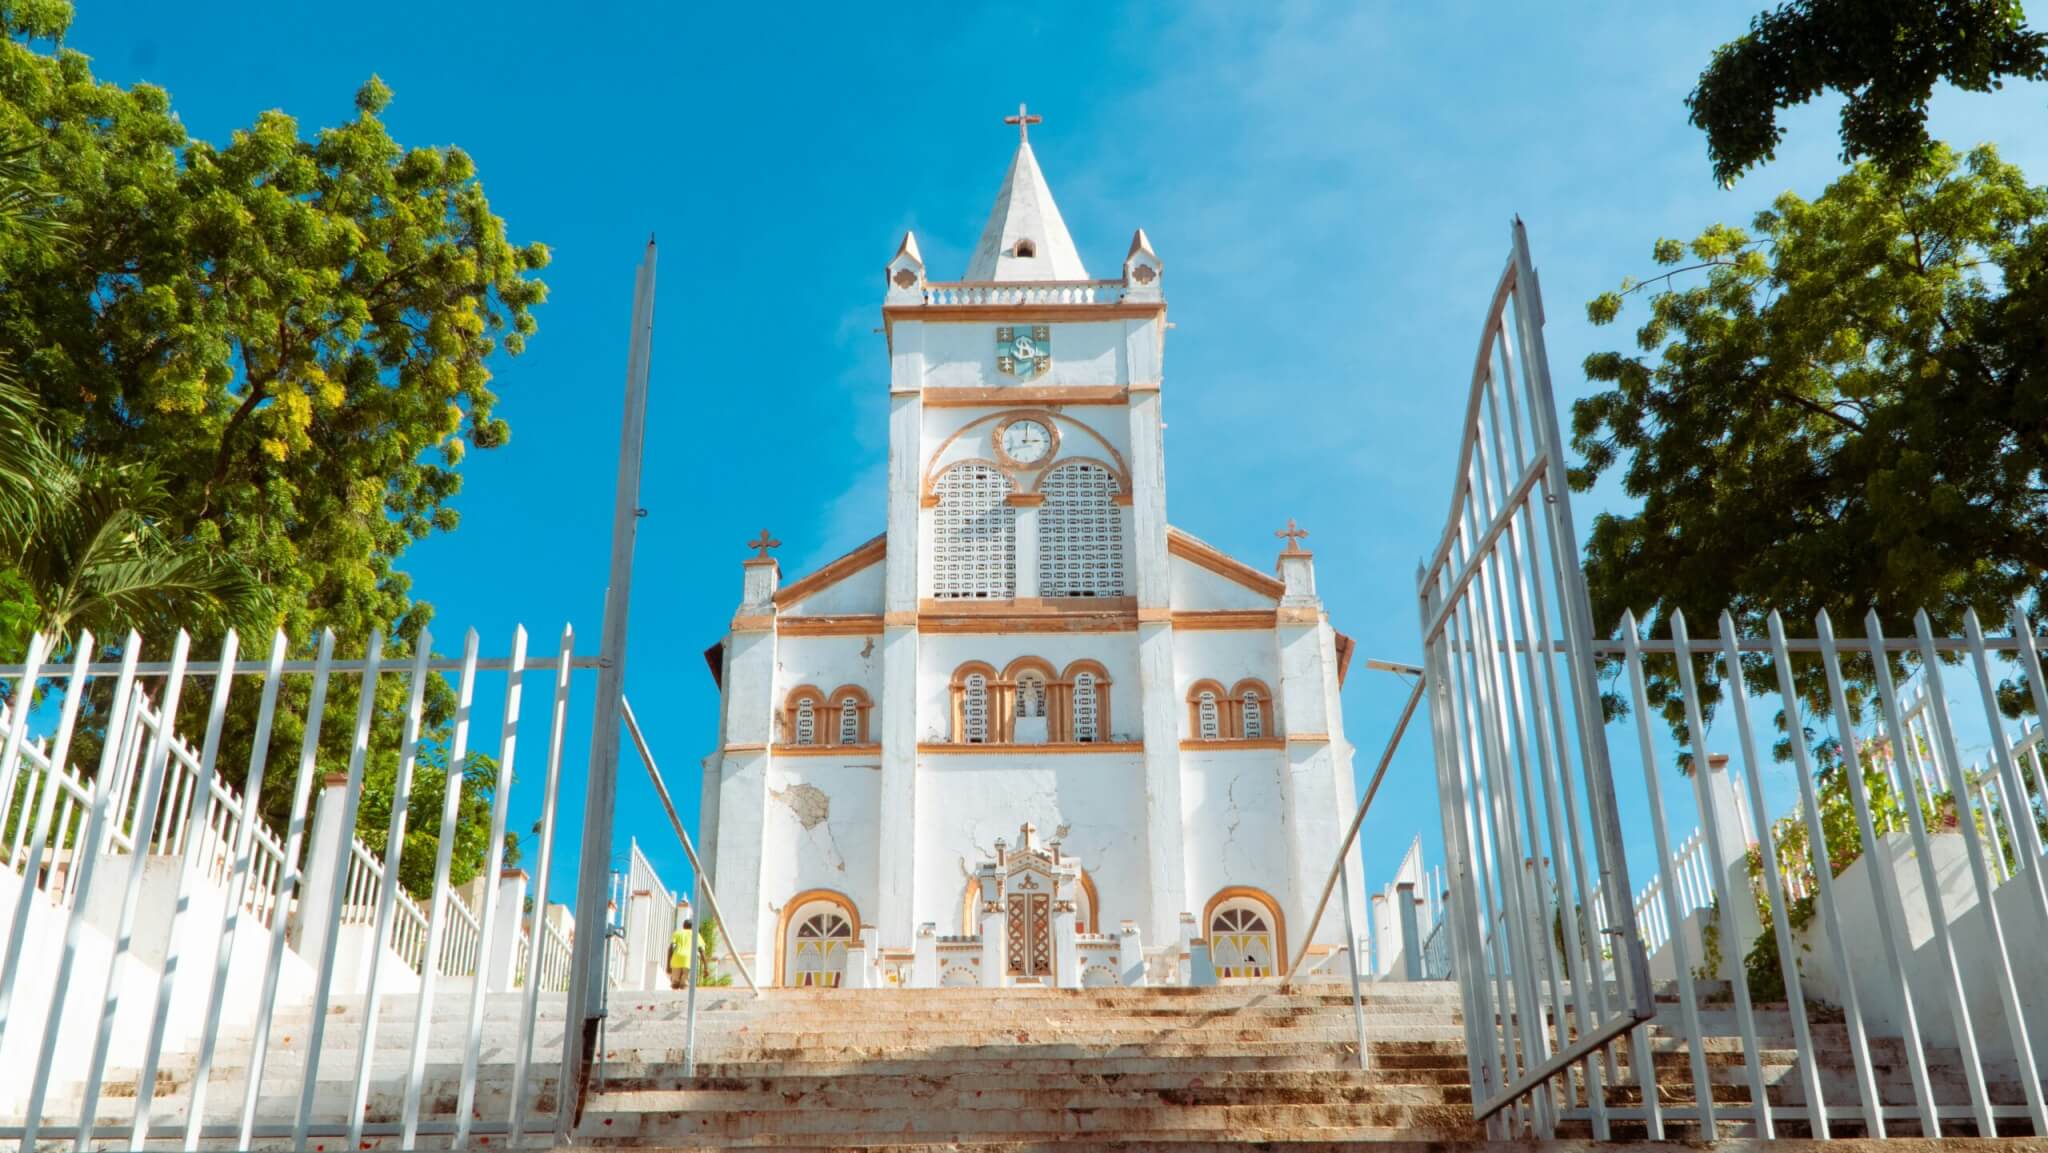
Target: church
1031, 733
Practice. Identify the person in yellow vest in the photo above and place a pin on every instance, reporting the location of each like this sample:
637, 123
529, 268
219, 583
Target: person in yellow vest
682, 947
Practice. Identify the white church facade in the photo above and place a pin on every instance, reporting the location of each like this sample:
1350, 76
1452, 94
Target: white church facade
1031, 732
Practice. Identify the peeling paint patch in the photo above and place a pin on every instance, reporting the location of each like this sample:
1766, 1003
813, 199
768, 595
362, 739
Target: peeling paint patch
808, 802
1063, 832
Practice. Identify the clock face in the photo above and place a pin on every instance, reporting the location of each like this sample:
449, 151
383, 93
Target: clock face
1026, 441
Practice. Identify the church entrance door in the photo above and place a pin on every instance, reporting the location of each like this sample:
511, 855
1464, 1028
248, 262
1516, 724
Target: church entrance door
1029, 909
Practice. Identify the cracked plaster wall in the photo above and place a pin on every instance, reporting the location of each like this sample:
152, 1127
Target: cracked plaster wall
965, 802
824, 816
1234, 814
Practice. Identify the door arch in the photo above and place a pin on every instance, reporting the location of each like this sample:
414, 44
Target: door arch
817, 927
1247, 937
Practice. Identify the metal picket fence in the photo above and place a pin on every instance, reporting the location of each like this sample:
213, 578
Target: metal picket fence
101, 992
1856, 965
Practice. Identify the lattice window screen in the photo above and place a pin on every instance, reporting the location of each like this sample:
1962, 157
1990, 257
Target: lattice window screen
974, 709
849, 722
1211, 716
1080, 533
806, 722
1087, 726
974, 544
1254, 715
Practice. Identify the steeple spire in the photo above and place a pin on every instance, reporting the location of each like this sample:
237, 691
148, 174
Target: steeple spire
1025, 239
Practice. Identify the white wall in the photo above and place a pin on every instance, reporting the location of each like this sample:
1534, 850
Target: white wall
823, 827
1233, 810
1093, 803
964, 355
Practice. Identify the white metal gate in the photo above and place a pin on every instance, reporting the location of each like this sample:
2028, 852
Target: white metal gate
1531, 834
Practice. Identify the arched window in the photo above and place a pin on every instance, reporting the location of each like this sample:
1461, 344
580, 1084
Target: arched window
1080, 533
974, 537
1250, 702
1254, 715
1079, 705
1246, 937
800, 716
1206, 713
1026, 249
847, 714
1087, 709
1026, 708
818, 925
975, 719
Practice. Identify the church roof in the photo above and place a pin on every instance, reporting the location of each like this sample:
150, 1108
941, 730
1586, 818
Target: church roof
1025, 239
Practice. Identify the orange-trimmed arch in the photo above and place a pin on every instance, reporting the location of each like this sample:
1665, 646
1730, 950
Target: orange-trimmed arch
1062, 710
1260, 896
791, 700
862, 704
1268, 719
1215, 688
990, 679
935, 470
796, 903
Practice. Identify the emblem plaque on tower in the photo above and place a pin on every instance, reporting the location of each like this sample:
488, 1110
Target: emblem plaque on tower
1024, 352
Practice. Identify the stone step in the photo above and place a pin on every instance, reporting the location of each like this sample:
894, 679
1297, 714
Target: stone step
1206, 1142
967, 1123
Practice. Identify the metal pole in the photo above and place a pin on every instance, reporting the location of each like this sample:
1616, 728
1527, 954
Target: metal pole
1351, 951
1357, 819
587, 967
689, 848
690, 999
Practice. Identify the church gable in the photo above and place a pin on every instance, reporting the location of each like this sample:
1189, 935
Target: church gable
849, 585
1205, 579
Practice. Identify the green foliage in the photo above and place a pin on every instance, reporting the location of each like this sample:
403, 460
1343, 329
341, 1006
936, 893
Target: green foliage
282, 341
1839, 408
19, 611
708, 973
1884, 58
472, 831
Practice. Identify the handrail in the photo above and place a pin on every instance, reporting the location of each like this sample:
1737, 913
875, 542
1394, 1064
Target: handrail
696, 866
1358, 818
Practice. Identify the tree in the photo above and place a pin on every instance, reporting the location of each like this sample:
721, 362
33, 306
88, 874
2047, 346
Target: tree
1844, 408
1883, 56
292, 333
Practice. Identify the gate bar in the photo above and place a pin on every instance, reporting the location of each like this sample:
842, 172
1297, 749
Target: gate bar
586, 1003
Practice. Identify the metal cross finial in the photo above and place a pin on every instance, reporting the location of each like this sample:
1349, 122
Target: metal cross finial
762, 545
1023, 120
1293, 534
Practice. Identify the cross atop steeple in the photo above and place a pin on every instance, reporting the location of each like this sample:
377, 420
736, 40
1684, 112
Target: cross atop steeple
1292, 534
1023, 120
763, 544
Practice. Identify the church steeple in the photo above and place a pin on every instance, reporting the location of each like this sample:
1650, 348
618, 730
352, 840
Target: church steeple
1025, 238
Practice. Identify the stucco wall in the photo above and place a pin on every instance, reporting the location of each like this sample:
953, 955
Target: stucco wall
1093, 803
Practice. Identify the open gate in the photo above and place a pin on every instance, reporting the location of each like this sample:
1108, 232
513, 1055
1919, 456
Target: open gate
1531, 834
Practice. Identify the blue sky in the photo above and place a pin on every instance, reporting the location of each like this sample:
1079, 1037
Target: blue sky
1330, 188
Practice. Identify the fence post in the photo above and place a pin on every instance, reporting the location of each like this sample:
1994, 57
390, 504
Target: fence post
924, 960
1066, 950
1130, 956
1411, 932
326, 852
502, 968
994, 932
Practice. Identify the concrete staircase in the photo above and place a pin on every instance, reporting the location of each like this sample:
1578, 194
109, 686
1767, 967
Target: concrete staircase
1021, 1067
1008, 1070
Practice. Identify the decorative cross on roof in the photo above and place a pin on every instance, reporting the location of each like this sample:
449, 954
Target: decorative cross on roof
1292, 534
1023, 120
762, 545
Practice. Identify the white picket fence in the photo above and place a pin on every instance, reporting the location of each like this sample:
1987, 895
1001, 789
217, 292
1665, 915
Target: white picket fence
90, 979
